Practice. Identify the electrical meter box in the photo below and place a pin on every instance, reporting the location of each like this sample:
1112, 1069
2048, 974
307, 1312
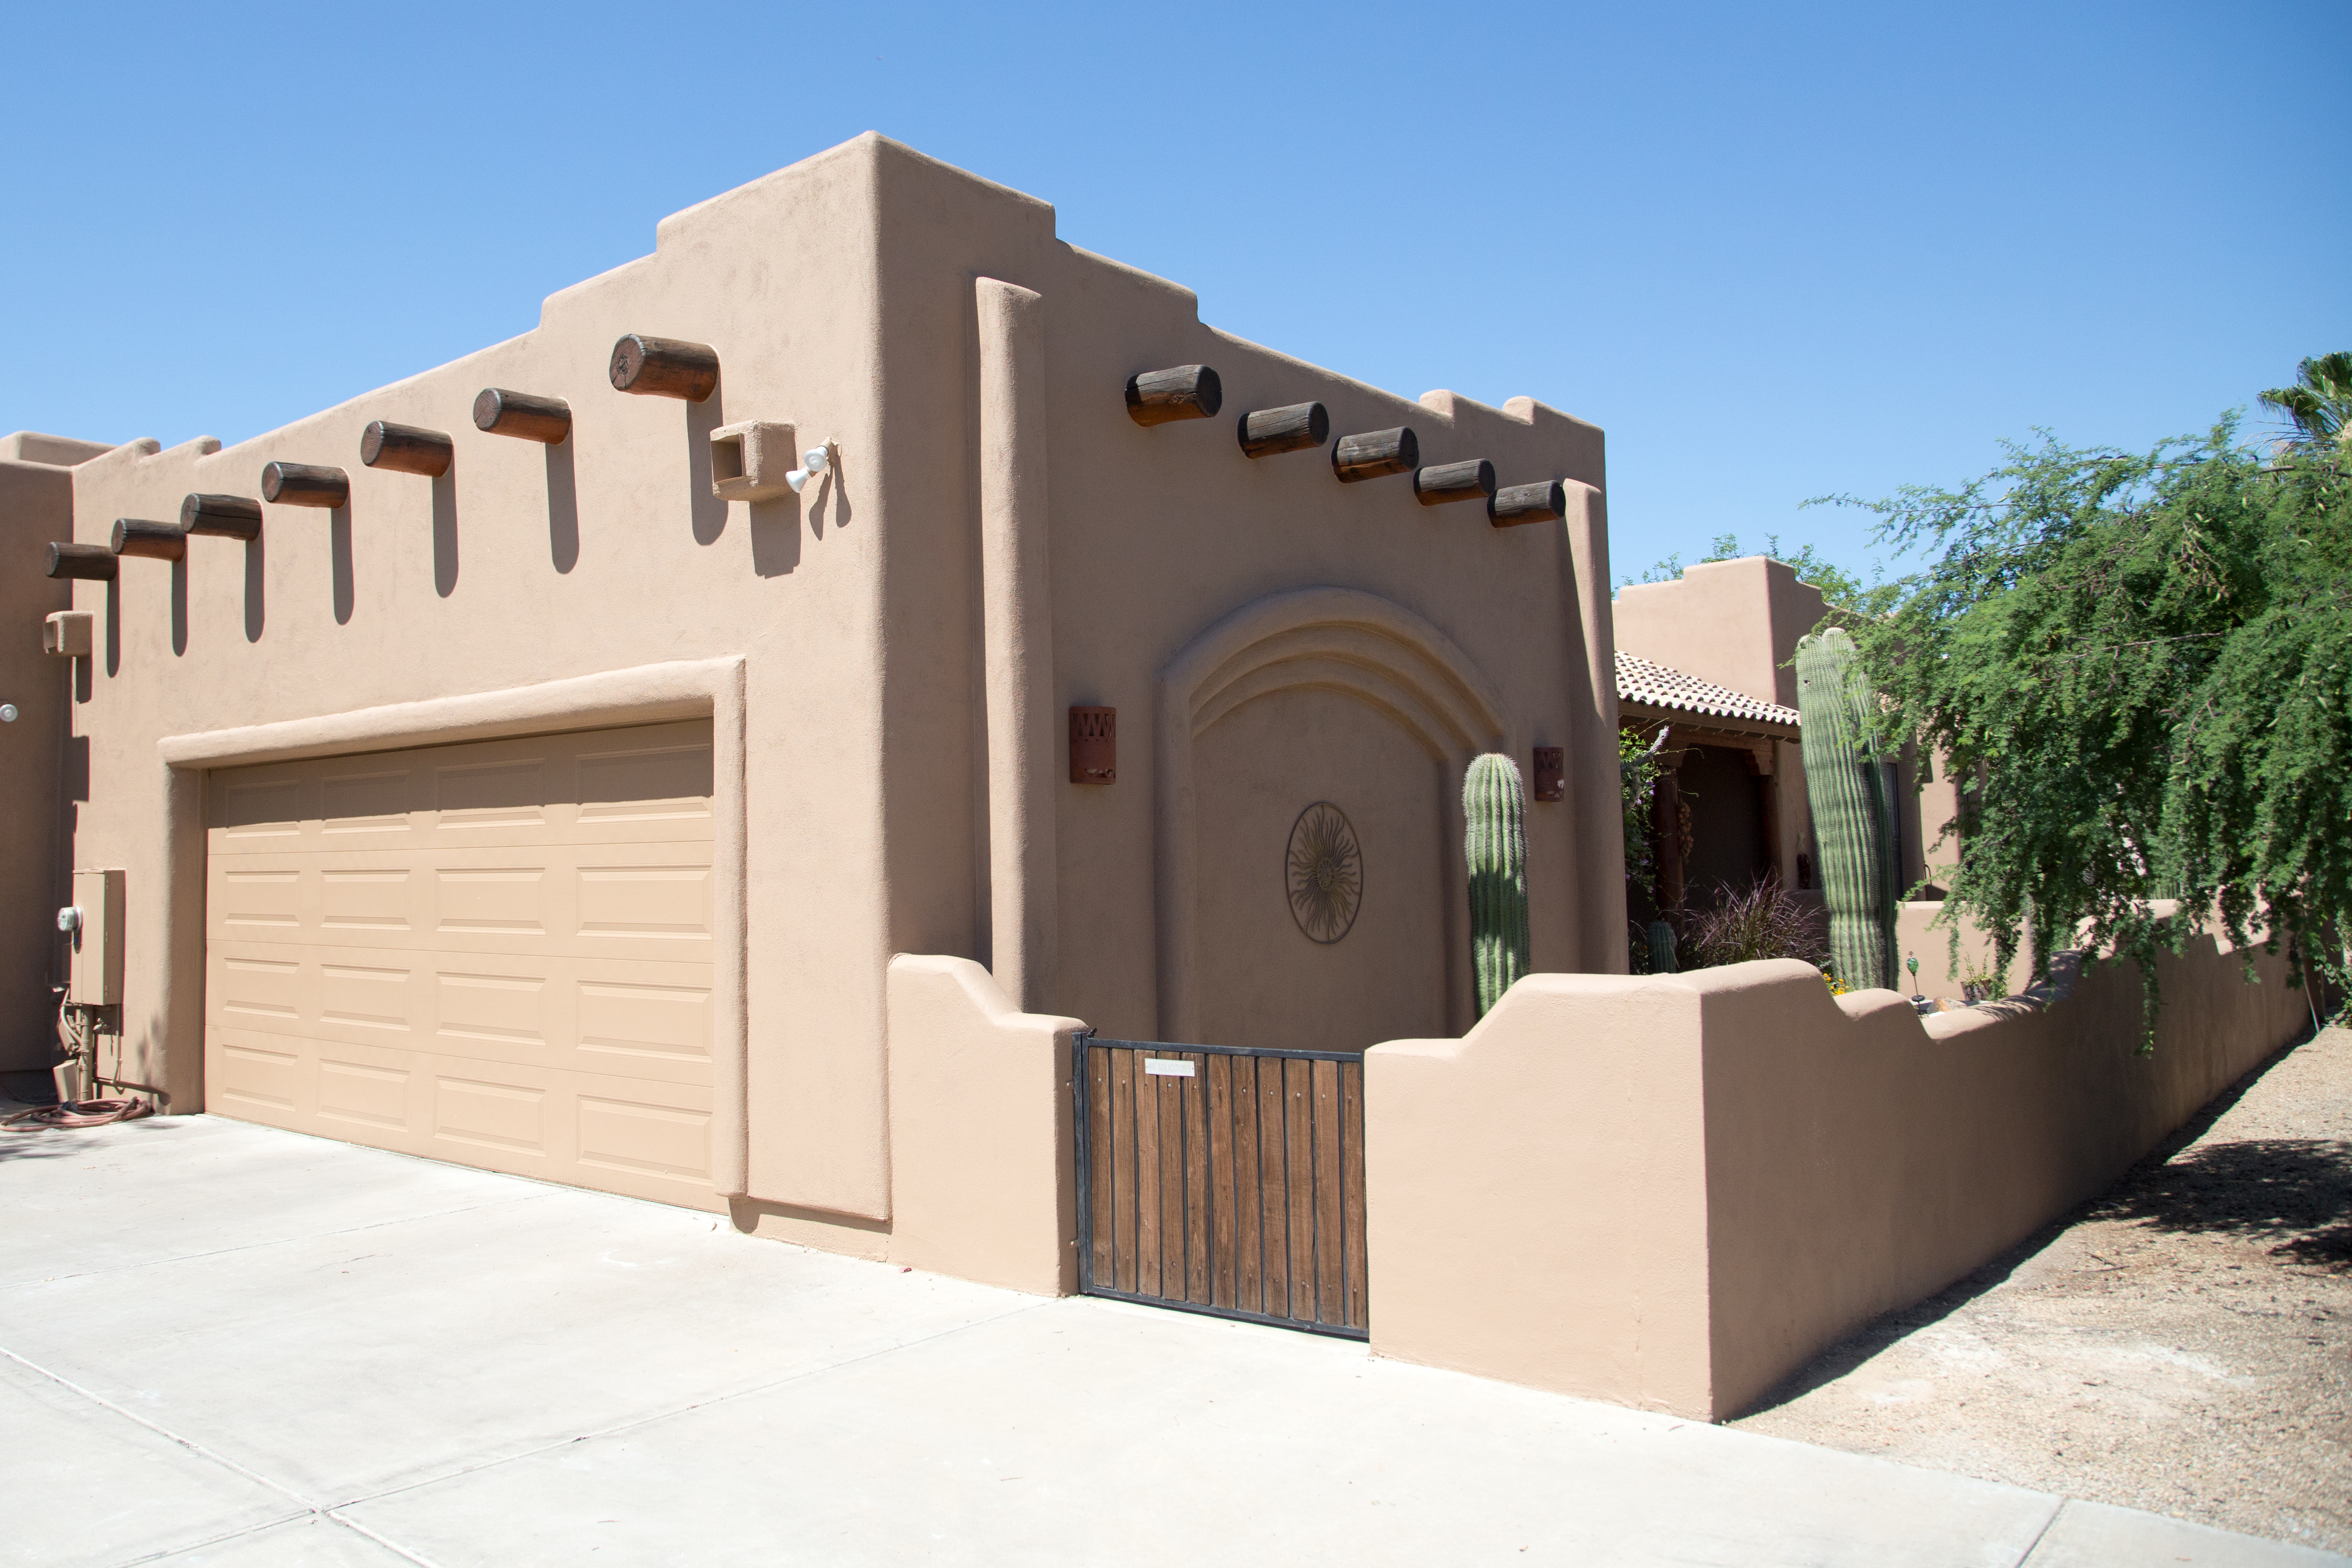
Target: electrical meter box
95, 977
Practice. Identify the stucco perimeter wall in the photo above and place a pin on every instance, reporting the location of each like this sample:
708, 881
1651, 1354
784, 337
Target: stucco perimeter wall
35, 506
1671, 1191
980, 1130
529, 565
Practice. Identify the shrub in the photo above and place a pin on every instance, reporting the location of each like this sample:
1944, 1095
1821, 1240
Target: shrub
1765, 922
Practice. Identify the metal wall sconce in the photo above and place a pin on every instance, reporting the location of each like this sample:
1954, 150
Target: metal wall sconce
1551, 772
1094, 745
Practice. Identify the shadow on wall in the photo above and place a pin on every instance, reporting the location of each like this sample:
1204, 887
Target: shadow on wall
256, 580
180, 606
338, 553
445, 532
708, 511
775, 536
563, 510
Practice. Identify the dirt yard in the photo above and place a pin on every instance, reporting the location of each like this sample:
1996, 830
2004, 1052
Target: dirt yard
2183, 1344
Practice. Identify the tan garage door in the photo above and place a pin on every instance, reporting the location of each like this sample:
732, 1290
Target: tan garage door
498, 953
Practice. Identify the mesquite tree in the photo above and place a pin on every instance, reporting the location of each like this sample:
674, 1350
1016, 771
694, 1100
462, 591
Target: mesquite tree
2145, 662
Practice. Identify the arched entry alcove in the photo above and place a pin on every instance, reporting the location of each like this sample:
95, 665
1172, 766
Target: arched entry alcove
1315, 694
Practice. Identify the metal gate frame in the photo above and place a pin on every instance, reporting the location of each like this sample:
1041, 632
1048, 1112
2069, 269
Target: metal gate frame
1352, 1272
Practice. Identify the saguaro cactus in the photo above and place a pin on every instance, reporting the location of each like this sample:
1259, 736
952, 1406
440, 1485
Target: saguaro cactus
1496, 845
1852, 817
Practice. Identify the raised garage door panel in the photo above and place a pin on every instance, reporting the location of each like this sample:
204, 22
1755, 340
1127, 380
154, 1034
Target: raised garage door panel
498, 953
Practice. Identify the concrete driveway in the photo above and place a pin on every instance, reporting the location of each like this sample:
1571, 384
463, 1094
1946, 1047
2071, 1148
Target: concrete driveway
225, 1345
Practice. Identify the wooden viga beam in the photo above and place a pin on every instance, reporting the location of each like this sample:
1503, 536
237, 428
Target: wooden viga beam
1447, 482
1543, 501
1270, 432
546, 420
1181, 391
155, 540
305, 484
1376, 453
664, 367
407, 449
221, 517
90, 562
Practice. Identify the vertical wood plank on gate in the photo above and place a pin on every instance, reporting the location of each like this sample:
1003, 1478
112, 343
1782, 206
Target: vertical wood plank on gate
1197, 1208
1147, 1176
1101, 1162
1172, 1187
1121, 1151
1328, 1305
1352, 1192
1217, 1075
1274, 1207
1299, 1136
1249, 1289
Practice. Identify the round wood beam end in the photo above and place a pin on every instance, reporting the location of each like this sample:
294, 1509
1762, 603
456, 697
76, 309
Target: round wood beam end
1448, 482
221, 517
1182, 392
1544, 501
305, 484
1270, 432
1376, 453
546, 420
154, 541
664, 367
90, 562
407, 449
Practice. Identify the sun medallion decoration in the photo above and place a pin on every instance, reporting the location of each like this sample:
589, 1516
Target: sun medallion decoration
1325, 870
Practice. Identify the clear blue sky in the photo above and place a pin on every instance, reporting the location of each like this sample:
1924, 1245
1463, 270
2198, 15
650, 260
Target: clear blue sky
1773, 250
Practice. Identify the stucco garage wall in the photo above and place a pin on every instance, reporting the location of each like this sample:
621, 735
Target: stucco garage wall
529, 565
1671, 1191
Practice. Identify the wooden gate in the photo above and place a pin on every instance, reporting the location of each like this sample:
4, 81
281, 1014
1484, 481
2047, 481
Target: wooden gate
1218, 1180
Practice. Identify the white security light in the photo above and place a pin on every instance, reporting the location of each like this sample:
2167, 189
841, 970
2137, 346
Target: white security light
812, 462
7, 712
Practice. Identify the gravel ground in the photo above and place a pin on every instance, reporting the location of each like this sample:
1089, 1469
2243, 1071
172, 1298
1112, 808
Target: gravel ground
2183, 1344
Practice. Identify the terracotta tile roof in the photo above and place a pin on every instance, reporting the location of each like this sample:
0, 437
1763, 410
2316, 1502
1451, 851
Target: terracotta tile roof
1651, 685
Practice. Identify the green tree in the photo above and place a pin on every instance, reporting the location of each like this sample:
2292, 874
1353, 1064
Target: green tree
2142, 661
2319, 403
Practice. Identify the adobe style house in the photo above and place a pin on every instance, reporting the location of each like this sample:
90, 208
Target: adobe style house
509, 765
1709, 656
799, 733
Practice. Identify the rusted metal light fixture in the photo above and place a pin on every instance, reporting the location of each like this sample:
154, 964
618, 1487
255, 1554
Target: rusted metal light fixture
1094, 745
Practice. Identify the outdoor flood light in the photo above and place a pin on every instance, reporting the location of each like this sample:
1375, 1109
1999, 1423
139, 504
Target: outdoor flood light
812, 462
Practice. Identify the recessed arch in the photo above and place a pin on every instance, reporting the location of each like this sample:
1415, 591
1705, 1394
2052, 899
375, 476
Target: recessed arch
1340, 639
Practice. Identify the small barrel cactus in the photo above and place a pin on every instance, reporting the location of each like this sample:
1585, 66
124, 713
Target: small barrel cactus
1852, 817
1494, 808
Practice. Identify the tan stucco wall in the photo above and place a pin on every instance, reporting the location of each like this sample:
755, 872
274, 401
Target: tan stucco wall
980, 1130
35, 506
1671, 1191
970, 367
1735, 623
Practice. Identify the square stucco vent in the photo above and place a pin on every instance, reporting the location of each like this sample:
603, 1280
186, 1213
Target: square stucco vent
748, 461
